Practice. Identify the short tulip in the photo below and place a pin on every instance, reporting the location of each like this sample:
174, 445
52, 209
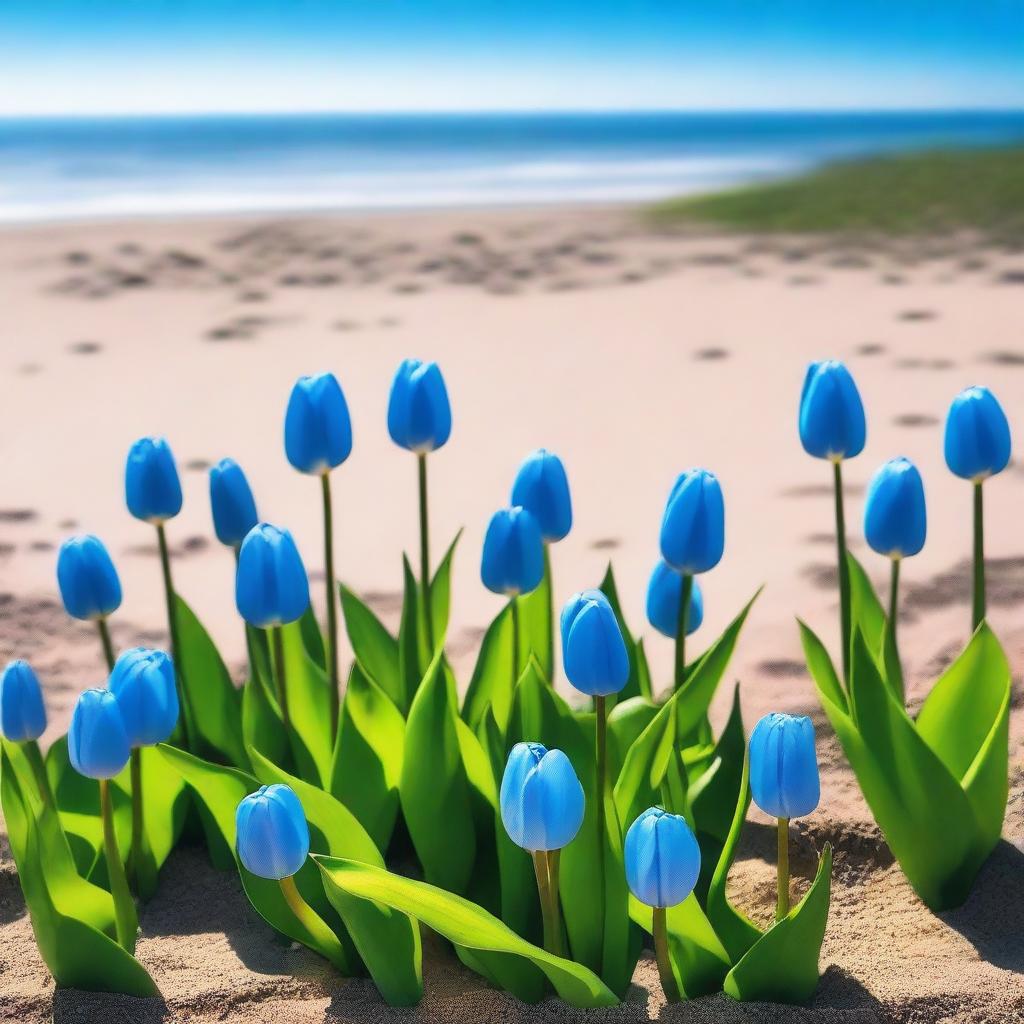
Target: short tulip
88, 581
664, 595
542, 487
977, 442
272, 836
832, 424
98, 745
317, 426
232, 503
662, 858
22, 712
419, 413
512, 562
151, 484
541, 798
693, 527
144, 685
593, 649
895, 521
784, 766
271, 586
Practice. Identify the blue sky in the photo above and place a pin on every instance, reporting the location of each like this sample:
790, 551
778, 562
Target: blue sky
102, 56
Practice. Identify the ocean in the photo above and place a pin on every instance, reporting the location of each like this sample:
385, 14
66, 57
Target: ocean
61, 168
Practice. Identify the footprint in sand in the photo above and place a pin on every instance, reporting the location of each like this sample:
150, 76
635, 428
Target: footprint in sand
781, 668
17, 515
85, 348
917, 315
711, 354
915, 419
924, 364
1004, 357
198, 465
818, 490
870, 348
605, 543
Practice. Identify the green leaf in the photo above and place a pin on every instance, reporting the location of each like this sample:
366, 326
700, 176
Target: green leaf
626, 721
368, 756
491, 685
262, 724
639, 682
374, 647
413, 656
782, 966
536, 618
215, 704
434, 790
312, 638
868, 615
508, 957
440, 595
164, 805
309, 708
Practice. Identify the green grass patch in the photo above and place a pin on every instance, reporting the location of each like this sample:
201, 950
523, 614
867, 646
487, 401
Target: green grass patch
919, 193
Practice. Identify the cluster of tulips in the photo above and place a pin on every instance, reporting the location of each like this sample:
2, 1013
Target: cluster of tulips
550, 838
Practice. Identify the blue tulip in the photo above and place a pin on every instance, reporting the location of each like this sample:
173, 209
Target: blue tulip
143, 683
22, 713
895, 521
97, 742
783, 766
541, 798
977, 435
272, 836
542, 487
234, 508
831, 413
693, 529
317, 426
662, 858
512, 562
151, 485
593, 650
664, 592
419, 413
271, 586
88, 581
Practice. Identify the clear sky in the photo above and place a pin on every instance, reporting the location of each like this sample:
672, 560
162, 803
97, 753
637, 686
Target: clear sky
113, 56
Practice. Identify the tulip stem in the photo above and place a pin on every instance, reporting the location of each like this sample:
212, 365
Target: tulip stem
332, 602
684, 614
326, 941
277, 643
550, 665
34, 757
172, 628
428, 611
514, 603
125, 918
108, 646
554, 859
135, 857
601, 729
668, 978
844, 569
894, 598
782, 907
548, 893
978, 605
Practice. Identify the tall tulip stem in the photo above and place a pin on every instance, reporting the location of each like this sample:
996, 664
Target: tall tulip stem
332, 601
428, 611
894, 598
125, 918
108, 646
978, 604
34, 756
280, 680
844, 569
548, 579
172, 629
135, 858
601, 728
327, 941
547, 890
660, 932
782, 907
684, 615
514, 604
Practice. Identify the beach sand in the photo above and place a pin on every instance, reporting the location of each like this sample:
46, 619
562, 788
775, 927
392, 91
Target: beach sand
634, 353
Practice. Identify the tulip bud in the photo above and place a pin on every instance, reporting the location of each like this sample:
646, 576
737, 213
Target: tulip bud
831, 413
88, 581
513, 555
419, 413
784, 766
895, 521
143, 683
593, 650
662, 858
271, 587
541, 487
97, 743
272, 837
151, 485
22, 713
232, 503
542, 800
693, 528
664, 593
317, 427
977, 435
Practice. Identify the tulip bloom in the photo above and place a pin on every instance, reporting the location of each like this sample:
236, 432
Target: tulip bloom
832, 427
272, 842
317, 439
98, 748
420, 420
89, 585
23, 718
662, 867
692, 541
784, 781
977, 446
271, 589
232, 503
664, 596
153, 492
542, 807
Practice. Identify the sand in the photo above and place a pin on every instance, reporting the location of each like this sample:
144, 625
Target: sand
635, 354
